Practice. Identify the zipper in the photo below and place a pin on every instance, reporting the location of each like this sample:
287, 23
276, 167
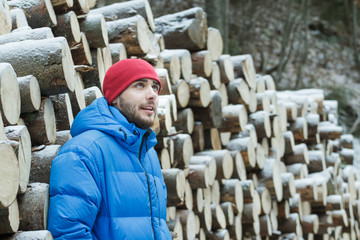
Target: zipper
147, 179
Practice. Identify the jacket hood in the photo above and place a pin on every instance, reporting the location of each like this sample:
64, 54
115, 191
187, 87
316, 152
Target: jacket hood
108, 119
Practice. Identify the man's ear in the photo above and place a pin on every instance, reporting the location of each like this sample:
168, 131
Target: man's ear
114, 102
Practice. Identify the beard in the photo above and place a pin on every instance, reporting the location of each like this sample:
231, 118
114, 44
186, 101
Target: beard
130, 111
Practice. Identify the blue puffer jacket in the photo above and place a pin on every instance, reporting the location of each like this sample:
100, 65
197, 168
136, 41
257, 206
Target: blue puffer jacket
106, 182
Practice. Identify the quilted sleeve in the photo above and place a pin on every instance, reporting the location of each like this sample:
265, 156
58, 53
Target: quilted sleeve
74, 195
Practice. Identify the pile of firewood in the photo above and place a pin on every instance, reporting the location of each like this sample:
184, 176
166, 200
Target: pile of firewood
240, 159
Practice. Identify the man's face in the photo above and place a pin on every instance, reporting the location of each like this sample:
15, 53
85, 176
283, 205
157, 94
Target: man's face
139, 102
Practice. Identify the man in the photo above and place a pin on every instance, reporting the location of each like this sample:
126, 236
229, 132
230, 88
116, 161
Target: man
106, 182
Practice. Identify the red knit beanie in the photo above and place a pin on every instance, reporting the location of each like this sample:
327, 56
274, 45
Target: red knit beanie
121, 74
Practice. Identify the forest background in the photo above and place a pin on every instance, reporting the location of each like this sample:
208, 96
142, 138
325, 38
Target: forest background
300, 43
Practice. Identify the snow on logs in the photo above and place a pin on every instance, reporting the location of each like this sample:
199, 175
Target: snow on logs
240, 159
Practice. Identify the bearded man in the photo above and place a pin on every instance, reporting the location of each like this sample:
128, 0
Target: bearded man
106, 181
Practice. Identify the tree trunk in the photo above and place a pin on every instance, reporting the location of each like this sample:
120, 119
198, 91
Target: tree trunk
33, 207
52, 65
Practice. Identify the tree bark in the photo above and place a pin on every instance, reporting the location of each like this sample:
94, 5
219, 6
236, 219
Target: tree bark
52, 65
10, 101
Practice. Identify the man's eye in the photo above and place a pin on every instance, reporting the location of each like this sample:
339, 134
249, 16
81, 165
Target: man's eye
139, 85
156, 88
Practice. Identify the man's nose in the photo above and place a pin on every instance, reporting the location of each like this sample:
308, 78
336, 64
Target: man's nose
151, 94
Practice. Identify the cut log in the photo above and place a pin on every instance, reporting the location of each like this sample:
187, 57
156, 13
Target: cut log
289, 142
183, 150
41, 124
165, 81
63, 112
9, 218
226, 68
80, 52
265, 225
260, 84
265, 198
175, 181
6, 23
185, 61
93, 75
211, 116
77, 96
127, 9
91, 93
299, 155
197, 137
307, 188
291, 225
52, 65
247, 149
183, 30
198, 176
9, 175
228, 210
347, 156
81, 7
33, 207
118, 52
248, 190
270, 177
224, 162
39, 13
30, 93
263, 102
347, 141
188, 198
287, 180
215, 78
231, 191
188, 222
238, 92
18, 18
234, 118
132, 32
235, 230
199, 92
170, 102
316, 161
209, 162
35, 235
261, 122
212, 139
172, 64
244, 68
163, 125
41, 163
299, 170
10, 101
62, 137
68, 27
201, 63
239, 166
61, 6
20, 135
300, 129
214, 43
23, 34
153, 56
182, 92
175, 228
218, 217
205, 216
95, 28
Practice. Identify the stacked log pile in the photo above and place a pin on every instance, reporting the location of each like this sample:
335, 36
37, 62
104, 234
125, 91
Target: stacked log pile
240, 159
